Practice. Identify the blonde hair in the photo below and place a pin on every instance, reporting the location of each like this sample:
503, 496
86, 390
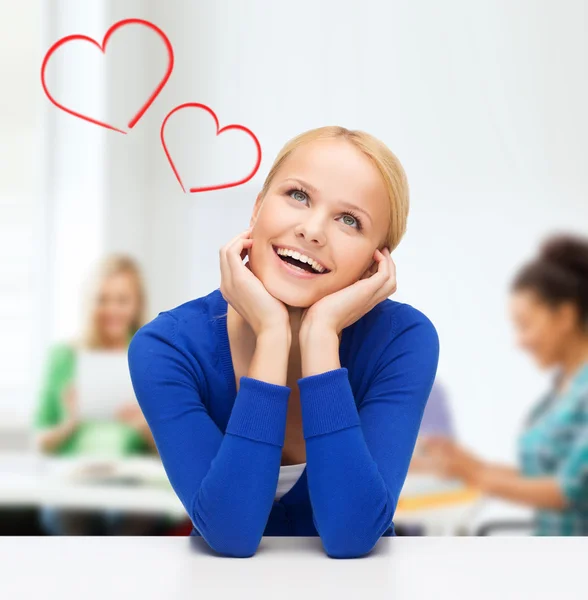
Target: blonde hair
113, 264
381, 156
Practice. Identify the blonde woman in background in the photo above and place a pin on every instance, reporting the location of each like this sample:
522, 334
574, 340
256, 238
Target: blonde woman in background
115, 308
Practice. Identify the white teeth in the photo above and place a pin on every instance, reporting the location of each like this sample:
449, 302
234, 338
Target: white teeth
302, 258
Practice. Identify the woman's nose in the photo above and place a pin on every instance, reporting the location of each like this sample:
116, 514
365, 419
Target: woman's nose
312, 230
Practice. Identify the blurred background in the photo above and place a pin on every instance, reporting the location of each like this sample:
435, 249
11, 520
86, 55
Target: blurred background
484, 104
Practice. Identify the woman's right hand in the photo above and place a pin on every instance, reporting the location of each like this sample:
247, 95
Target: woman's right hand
245, 292
70, 401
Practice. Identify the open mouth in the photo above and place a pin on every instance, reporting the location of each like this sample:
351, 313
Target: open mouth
303, 266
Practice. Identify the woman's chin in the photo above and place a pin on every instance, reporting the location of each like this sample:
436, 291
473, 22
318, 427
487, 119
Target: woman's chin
293, 298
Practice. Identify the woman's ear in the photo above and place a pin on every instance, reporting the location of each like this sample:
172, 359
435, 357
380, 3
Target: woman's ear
256, 209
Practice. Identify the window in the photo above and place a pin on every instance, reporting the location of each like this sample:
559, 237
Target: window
22, 239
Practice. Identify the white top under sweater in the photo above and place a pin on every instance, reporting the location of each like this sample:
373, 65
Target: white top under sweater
289, 475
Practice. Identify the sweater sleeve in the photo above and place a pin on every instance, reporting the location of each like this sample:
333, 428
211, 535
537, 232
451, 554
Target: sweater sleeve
58, 372
357, 460
226, 482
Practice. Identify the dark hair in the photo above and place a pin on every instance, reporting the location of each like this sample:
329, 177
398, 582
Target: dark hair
559, 274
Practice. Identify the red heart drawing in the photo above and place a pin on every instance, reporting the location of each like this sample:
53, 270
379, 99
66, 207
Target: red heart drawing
218, 132
102, 47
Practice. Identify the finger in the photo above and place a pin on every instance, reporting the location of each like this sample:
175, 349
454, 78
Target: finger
246, 249
392, 281
383, 264
237, 244
387, 269
378, 279
240, 248
235, 257
223, 253
374, 267
243, 235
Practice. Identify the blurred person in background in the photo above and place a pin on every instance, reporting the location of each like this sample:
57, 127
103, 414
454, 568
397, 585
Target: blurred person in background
437, 421
115, 309
549, 307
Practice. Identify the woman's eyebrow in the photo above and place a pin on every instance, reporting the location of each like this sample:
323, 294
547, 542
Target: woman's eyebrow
342, 202
302, 182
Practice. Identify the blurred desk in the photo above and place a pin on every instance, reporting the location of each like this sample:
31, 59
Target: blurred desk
441, 507
95, 568
137, 484
140, 485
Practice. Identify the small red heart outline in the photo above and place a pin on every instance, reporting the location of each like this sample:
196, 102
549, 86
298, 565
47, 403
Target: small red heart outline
218, 132
102, 47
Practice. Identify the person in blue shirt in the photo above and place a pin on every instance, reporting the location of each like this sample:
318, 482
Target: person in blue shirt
549, 306
288, 401
438, 416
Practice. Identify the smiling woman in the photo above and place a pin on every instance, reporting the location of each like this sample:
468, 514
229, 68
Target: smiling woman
299, 363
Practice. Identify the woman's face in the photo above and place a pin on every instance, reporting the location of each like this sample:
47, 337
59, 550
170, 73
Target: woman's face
328, 202
117, 306
541, 330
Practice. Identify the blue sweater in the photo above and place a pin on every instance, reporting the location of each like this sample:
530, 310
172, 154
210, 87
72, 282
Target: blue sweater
222, 450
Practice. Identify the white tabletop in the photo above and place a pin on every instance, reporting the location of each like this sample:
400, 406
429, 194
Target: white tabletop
286, 567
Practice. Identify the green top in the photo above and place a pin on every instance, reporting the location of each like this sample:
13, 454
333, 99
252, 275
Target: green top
104, 438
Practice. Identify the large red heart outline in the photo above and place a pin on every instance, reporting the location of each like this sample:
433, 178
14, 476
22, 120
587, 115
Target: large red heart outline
218, 132
102, 47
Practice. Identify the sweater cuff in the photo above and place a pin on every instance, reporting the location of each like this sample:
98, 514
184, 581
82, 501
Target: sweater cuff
259, 412
327, 403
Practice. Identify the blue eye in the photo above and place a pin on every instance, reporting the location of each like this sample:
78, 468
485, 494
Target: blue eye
300, 192
348, 215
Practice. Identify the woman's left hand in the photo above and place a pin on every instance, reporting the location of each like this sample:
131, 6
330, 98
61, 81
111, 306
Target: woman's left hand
445, 458
343, 308
131, 414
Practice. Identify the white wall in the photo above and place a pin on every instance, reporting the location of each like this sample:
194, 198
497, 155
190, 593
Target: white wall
482, 102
